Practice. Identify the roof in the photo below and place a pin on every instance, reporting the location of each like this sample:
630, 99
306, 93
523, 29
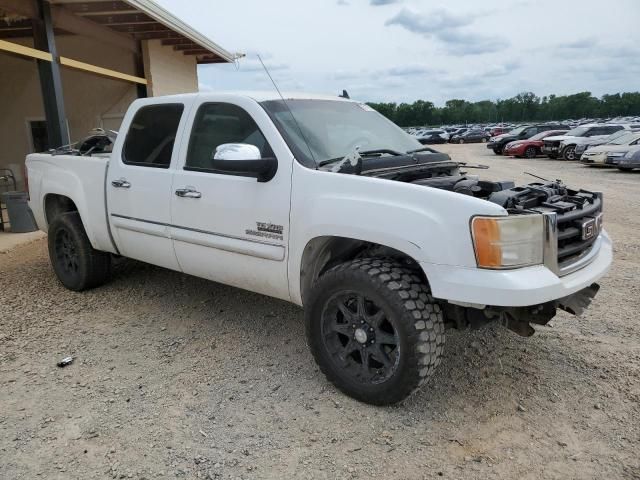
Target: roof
262, 96
120, 21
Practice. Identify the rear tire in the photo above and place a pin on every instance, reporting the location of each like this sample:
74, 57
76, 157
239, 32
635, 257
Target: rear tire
484, 140
374, 329
530, 152
75, 262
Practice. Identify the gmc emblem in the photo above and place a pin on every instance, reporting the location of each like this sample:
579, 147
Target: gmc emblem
591, 227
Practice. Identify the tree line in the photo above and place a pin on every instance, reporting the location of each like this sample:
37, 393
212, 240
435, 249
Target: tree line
525, 106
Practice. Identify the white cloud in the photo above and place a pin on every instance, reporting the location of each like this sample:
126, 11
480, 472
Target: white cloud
416, 49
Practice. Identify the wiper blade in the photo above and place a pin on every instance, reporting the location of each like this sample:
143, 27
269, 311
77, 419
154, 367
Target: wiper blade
364, 153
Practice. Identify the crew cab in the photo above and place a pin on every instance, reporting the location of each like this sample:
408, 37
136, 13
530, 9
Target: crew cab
323, 202
524, 132
564, 146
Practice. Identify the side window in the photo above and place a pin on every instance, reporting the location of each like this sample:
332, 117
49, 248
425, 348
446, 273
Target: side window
613, 129
151, 136
219, 123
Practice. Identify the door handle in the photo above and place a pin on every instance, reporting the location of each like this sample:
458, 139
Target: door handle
188, 192
121, 183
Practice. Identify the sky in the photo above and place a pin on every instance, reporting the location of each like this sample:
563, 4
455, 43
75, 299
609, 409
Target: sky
405, 50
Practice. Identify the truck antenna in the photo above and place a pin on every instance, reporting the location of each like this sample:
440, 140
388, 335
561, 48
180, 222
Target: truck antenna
290, 111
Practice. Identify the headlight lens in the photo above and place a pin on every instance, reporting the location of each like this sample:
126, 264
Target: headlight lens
508, 242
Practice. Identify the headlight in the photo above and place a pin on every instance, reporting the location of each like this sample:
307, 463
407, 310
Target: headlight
508, 242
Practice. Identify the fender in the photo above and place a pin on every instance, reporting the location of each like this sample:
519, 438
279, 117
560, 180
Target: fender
427, 224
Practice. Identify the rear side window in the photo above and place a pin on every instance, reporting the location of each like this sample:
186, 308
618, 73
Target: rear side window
152, 135
219, 123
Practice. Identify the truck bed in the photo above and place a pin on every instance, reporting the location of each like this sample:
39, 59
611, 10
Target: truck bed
78, 178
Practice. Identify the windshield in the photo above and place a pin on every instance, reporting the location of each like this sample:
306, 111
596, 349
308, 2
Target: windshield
618, 134
517, 131
577, 132
327, 129
624, 139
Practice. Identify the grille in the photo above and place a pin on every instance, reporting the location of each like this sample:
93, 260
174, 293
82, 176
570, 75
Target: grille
578, 230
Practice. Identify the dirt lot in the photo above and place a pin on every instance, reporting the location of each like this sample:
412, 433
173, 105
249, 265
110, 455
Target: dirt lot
176, 377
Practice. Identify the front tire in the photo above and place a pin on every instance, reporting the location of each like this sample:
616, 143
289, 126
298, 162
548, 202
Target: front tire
569, 153
461, 141
530, 152
497, 151
75, 262
374, 329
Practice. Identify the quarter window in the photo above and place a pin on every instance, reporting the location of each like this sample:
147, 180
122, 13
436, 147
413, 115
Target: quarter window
219, 123
152, 135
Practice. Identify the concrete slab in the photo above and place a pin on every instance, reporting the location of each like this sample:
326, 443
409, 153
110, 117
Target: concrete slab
9, 241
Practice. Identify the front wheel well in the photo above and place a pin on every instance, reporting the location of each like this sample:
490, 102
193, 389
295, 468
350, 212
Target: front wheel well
55, 205
324, 253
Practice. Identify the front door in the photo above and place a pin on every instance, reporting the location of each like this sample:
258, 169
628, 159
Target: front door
139, 184
228, 228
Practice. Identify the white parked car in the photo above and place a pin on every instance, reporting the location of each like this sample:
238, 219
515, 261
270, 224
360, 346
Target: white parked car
610, 153
323, 202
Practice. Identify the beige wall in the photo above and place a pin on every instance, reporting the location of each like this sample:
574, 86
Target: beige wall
169, 72
88, 97
90, 100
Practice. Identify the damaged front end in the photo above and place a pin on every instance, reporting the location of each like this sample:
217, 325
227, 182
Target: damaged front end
518, 319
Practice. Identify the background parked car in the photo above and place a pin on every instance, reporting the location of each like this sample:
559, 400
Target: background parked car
531, 147
498, 142
427, 137
458, 132
629, 162
564, 146
499, 131
471, 136
583, 144
611, 153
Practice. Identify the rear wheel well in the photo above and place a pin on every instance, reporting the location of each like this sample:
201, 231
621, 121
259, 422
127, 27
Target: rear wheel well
55, 205
324, 253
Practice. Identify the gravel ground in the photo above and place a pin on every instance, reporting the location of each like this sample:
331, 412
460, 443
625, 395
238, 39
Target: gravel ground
177, 377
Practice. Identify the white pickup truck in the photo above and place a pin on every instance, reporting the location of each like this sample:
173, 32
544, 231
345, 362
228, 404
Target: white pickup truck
323, 202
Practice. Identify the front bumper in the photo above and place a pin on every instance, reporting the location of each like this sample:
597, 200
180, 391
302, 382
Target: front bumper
551, 150
515, 288
514, 150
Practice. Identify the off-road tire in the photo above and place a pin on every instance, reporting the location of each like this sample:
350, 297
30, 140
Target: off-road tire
75, 262
530, 152
402, 294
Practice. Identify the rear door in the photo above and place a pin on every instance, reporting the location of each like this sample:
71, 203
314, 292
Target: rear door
139, 180
230, 228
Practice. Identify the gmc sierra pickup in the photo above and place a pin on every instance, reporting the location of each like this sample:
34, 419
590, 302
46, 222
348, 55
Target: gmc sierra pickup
323, 202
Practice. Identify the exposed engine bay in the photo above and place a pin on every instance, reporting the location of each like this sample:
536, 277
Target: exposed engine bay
437, 170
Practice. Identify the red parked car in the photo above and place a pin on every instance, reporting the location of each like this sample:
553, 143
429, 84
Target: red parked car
498, 131
530, 147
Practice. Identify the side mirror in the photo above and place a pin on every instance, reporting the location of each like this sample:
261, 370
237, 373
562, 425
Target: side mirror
243, 160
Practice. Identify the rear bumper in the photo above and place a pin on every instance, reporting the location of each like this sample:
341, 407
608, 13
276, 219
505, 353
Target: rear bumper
514, 288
